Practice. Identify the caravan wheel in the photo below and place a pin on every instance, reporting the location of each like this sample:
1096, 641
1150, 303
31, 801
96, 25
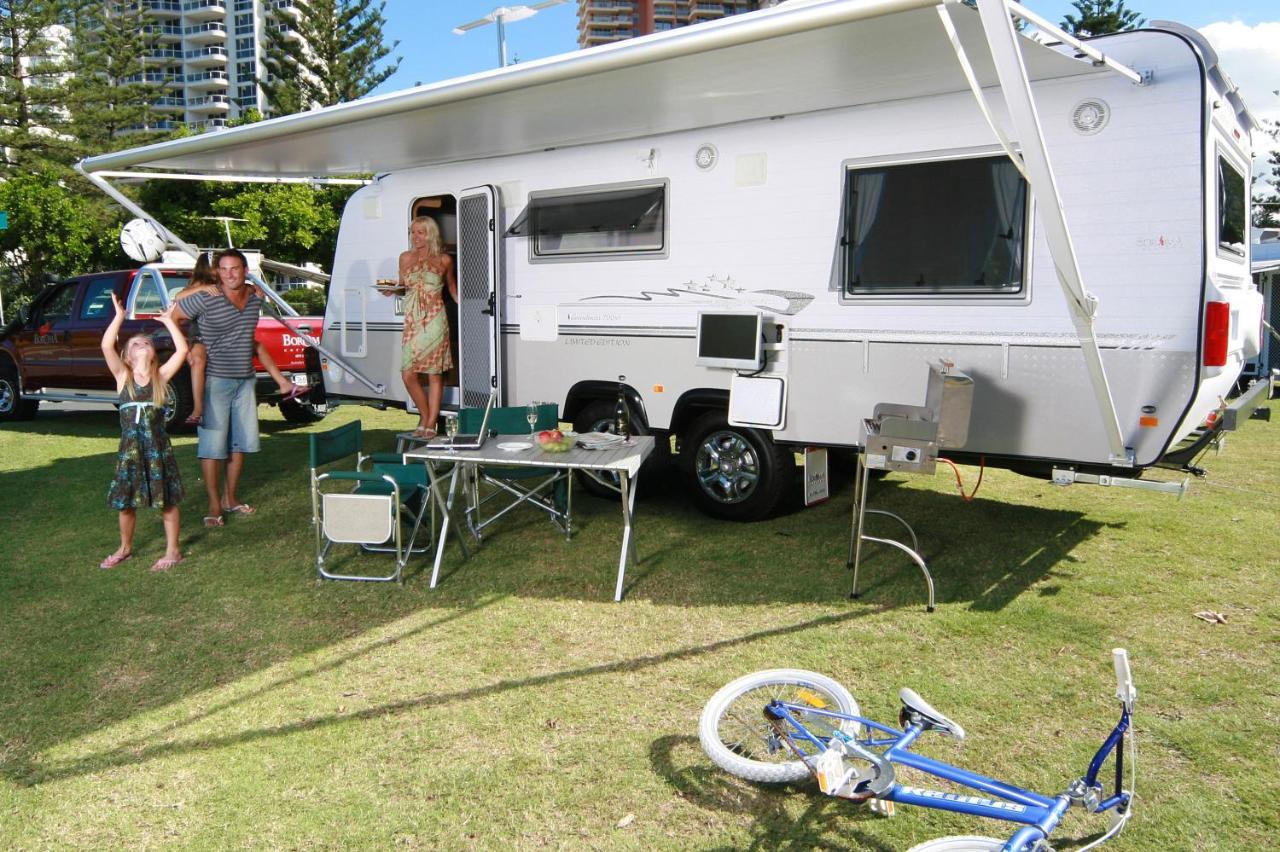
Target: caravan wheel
597, 416
734, 473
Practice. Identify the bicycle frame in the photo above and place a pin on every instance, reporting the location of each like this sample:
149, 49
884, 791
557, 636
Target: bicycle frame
1039, 814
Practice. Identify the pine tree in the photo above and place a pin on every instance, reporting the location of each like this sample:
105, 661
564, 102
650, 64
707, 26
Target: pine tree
340, 60
1099, 17
33, 81
114, 93
1266, 184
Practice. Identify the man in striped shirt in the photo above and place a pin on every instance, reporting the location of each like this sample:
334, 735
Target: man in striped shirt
229, 429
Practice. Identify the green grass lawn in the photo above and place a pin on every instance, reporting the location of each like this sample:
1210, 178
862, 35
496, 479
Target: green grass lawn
236, 702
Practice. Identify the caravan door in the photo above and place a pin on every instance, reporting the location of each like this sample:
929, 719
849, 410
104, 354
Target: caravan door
477, 295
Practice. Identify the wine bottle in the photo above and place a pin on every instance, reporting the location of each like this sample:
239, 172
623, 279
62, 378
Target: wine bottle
621, 416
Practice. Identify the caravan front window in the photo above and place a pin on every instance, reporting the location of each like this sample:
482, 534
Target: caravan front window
944, 227
1231, 208
625, 219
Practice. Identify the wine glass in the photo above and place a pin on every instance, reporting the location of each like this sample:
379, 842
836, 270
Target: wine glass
531, 415
451, 430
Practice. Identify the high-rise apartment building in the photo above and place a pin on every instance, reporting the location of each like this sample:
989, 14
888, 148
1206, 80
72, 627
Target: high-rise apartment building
209, 54
604, 21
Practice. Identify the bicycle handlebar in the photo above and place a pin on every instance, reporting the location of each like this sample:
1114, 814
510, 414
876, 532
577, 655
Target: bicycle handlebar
1125, 690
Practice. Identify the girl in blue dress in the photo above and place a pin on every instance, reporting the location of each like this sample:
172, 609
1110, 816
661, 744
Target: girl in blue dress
146, 470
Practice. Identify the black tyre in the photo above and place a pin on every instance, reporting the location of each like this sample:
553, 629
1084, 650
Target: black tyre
598, 416
178, 404
301, 411
12, 405
734, 473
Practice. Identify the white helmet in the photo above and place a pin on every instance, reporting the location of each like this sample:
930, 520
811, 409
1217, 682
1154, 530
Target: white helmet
142, 241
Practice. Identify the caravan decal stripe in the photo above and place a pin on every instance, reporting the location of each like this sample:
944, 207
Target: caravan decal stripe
1139, 342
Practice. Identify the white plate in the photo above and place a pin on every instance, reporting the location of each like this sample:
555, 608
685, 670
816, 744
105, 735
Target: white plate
513, 446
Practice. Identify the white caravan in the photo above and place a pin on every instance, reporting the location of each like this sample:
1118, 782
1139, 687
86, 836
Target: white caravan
883, 183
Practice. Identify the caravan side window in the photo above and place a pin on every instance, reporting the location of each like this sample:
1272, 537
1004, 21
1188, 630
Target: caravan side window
949, 227
1231, 208
622, 220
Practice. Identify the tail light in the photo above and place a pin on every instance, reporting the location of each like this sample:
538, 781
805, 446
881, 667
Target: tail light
1217, 333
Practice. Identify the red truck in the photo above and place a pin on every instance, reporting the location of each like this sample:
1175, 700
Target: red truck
52, 350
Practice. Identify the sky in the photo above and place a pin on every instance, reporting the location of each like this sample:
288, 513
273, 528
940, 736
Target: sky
1245, 33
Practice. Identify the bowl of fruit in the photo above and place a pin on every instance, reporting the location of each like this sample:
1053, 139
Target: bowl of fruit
555, 441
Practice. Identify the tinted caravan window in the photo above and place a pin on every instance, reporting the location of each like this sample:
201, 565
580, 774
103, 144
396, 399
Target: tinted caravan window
627, 220
1231, 208
947, 227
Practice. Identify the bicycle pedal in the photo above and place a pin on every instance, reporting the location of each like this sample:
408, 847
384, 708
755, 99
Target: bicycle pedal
884, 807
831, 772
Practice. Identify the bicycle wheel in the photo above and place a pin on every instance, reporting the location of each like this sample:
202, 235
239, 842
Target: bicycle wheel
736, 736
968, 843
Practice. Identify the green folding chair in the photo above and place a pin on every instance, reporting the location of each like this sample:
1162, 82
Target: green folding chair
371, 508
496, 490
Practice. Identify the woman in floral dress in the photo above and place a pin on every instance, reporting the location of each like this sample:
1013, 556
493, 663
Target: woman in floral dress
425, 270
146, 471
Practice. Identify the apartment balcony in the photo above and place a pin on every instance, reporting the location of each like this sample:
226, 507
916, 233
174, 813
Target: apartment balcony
165, 33
213, 32
160, 9
204, 10
207, 124
282, 6
206, 57
163, 54
155, 78
150, 127
170, 104
209, 105
206, 81
597, 37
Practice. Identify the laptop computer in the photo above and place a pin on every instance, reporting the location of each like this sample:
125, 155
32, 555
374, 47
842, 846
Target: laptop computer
474, 441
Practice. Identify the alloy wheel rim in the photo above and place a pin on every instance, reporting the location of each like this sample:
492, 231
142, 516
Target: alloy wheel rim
728, 467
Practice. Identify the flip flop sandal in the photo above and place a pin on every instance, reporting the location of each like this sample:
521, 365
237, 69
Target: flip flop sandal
114, 559
214, 521
425, 434
241, 509
295, 393
164, 564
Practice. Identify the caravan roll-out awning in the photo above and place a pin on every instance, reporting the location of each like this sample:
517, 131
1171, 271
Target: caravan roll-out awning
795, 58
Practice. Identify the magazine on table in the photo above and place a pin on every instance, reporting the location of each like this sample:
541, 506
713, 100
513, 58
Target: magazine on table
600, 440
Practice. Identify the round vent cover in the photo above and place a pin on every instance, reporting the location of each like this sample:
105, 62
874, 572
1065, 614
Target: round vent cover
706, 157
1089, 117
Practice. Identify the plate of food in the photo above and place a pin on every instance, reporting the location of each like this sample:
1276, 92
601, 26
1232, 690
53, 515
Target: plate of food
388, 287
555, 441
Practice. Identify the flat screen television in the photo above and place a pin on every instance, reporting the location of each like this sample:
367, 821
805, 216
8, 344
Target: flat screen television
730, 339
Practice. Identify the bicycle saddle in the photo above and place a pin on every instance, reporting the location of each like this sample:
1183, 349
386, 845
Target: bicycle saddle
915, 710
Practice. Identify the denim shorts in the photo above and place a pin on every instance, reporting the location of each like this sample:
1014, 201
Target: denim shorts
230, 422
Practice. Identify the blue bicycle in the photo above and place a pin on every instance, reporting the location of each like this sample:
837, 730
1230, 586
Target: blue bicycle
784, 724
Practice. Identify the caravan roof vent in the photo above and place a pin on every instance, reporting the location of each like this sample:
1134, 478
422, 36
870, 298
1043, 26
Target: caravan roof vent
1089, 117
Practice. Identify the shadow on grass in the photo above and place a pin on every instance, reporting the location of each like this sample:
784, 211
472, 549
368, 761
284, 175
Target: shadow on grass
22, 771
984, 554
80, 642
825, 823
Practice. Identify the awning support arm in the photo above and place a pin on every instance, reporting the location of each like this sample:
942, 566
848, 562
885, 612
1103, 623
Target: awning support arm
1015, 88
223, 178
1097, 56
129, 204
971, 78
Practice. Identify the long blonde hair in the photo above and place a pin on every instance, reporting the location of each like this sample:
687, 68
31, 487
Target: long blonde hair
159, 387
435, 245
